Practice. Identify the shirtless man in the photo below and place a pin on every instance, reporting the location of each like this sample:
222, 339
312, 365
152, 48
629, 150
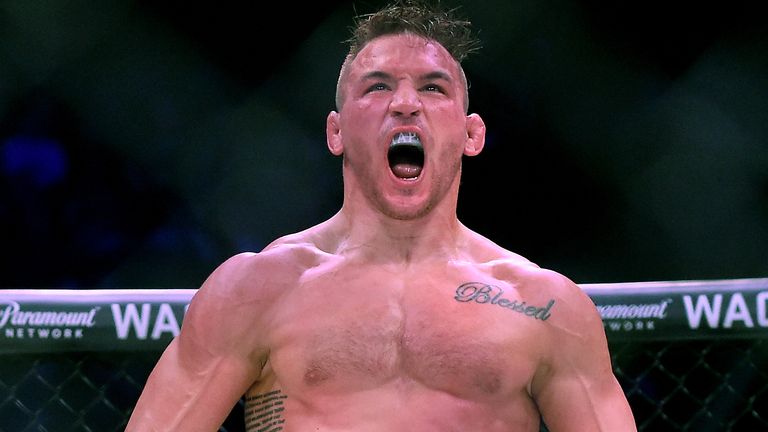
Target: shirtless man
391, 315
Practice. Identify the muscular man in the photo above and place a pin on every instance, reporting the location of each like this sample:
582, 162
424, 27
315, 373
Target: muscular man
391, 315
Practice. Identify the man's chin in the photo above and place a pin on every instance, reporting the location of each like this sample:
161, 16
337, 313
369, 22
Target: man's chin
406, 212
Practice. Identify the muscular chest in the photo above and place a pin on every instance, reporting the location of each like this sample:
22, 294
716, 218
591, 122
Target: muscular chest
358, 329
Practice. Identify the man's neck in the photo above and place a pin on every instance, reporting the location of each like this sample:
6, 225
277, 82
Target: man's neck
377, 238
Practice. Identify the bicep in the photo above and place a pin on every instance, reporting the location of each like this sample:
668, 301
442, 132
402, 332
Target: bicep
204, 370
578, 401
217, 356
576, 388
180, 397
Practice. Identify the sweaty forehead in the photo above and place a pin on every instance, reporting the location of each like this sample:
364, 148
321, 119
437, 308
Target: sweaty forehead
404, 52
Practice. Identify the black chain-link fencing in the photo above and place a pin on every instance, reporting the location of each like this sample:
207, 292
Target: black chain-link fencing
83, 392
702, 385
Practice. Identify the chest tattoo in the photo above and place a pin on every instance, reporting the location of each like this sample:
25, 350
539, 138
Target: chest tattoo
478, 292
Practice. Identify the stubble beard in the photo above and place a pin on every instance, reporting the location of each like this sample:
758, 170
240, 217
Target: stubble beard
419, 210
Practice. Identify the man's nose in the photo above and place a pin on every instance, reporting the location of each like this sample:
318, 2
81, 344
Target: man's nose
405, 102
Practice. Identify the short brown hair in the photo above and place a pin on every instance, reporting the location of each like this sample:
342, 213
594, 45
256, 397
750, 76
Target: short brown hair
420, 17
429, 20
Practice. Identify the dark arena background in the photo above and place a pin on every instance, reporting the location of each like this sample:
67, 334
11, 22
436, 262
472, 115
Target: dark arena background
144, 142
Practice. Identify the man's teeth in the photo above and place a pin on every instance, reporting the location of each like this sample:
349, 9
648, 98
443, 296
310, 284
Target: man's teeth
406, 155
406, 138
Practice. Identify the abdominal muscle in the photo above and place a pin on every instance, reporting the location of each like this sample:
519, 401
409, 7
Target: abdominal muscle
401, 404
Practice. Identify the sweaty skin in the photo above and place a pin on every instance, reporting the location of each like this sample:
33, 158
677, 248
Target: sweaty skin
391, 315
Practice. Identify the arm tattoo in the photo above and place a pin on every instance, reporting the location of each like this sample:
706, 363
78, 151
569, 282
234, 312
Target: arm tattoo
478, 292
264, 412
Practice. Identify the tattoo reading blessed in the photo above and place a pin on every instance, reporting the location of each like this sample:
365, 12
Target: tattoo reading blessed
482, 293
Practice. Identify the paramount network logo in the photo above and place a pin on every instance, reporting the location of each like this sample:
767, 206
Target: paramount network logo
633, 316
44, 324
697, 312
13, 314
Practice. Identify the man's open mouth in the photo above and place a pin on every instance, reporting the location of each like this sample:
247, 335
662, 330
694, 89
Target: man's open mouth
406, 155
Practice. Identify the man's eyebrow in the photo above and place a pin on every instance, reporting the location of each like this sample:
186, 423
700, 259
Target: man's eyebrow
376, 75
436, 75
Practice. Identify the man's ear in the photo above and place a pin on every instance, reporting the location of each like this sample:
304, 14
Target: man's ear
333, 134
475, 135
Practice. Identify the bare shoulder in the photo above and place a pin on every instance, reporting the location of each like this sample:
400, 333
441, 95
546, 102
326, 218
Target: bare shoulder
243, 291
518, 270
555, 285
573, 310
261, 277
249, 274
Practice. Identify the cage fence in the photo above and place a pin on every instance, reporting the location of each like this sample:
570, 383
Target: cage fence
689, 356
